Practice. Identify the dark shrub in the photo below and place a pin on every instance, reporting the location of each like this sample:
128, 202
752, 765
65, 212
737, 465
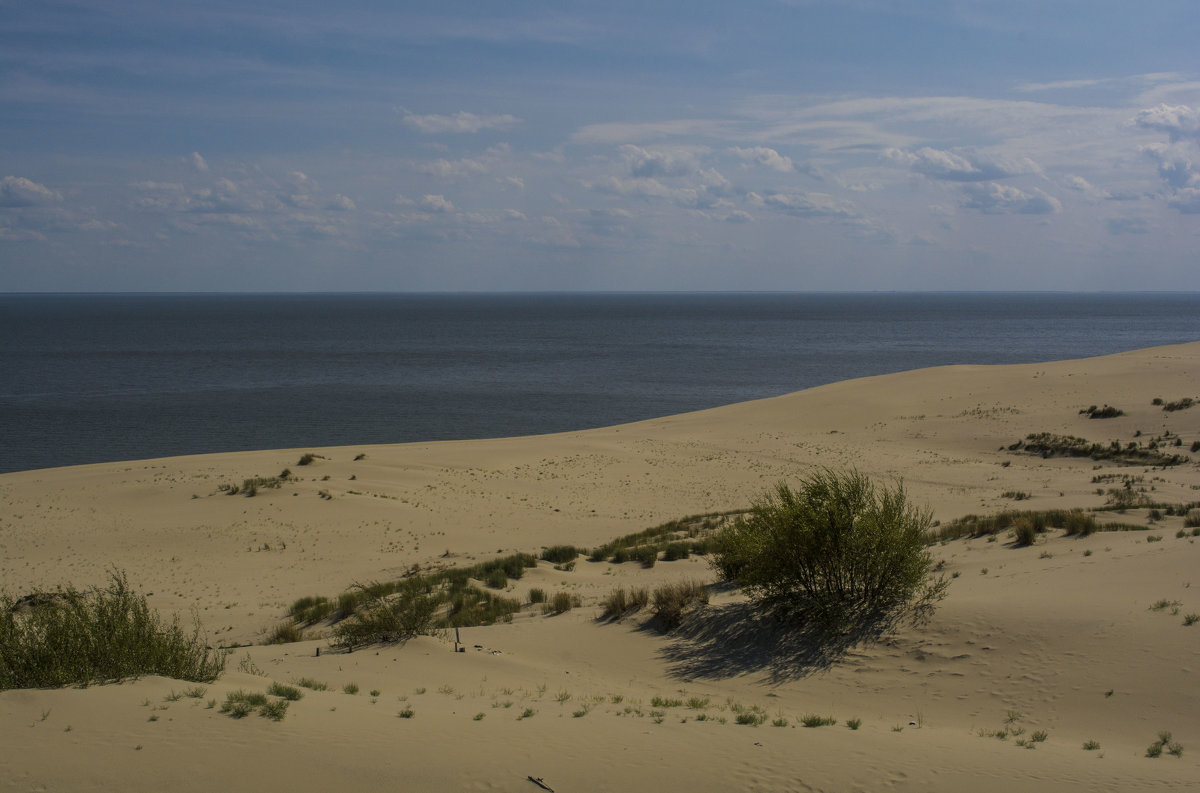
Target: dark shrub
834, 551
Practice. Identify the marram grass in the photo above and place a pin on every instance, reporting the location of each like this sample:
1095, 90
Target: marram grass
98, 635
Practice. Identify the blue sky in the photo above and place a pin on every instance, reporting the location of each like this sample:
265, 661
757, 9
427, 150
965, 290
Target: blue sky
764, 145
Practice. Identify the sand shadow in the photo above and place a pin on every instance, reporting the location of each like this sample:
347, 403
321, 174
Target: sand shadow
735, 639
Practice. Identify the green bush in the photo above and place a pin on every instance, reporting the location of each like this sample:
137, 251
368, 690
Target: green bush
95, 636
836, 551
386, 620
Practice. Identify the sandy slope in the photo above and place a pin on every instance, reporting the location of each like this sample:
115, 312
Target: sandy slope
1047, 632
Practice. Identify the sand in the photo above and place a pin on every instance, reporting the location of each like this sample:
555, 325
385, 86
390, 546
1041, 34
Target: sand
1059, 637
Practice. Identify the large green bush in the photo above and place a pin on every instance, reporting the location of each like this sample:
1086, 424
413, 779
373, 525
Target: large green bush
835, 552
71, 637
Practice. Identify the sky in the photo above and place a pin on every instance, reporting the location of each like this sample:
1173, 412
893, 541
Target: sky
800, 145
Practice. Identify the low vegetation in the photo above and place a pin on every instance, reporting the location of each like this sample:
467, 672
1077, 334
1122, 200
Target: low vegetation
1047, 445
73, 637
835, 552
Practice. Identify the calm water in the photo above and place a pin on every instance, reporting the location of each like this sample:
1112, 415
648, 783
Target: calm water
91, 378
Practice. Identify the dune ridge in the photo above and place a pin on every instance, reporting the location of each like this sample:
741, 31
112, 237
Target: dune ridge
1060, 637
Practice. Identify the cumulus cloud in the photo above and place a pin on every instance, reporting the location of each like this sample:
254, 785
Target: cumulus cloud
17, 191
436, 203
998, 199
1186, 201
197, 162
340, 203
765, 156
648, 163
460, 122
1180, 122
1175, 165
961, 165
457, 169
1086, 187
808, 205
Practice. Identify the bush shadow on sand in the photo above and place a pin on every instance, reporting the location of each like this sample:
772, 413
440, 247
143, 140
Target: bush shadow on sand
737, 639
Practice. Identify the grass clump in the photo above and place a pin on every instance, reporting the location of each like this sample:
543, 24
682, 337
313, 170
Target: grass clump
73, 637
407, 712
1091, 746
854, 724
815, 720
836, 551
561, 603
537, 595
312, 685
290, 693
239, 704
560, 554
673, 601
350, 688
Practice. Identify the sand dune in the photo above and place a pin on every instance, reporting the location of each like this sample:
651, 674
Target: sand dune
1059, 637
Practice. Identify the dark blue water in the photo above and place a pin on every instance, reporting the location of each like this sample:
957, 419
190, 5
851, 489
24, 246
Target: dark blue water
92, 378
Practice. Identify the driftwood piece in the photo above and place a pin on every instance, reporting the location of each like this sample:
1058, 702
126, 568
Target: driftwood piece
540, 783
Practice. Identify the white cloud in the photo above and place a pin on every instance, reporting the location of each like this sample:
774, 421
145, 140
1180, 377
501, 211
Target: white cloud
460, 122
738, 216
961, 166
1186, 201
458, 169
17, 191
1086, 187
436, 203
651, 163
765, 156
997, 199
1175, 165
1180, 122
197, 162
340, 203
809, 205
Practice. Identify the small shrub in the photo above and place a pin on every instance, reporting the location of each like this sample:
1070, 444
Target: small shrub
537, 595
1154, 750
274, 710
1191, 619
306, 459
350, 688
559, 604
750, 718
1025, 534
1091, 746
666, 702
854, 724
697, 703
835, 551
407, 712
1039, 736
285, 633
616, 604
1175, 749
497, 579
672, 601
814, 720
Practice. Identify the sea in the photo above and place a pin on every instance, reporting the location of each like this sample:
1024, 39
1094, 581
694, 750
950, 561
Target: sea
88, 378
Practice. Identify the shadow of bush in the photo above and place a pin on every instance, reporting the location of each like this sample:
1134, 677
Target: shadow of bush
737, 639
